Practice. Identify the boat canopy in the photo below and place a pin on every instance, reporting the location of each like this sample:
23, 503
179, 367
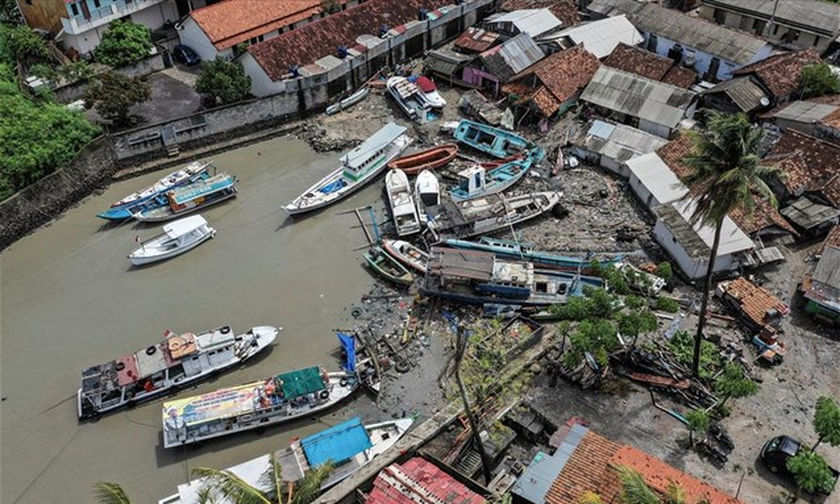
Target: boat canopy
184, 226
301, 382
348, 343
188, 193
336, 444
379, 140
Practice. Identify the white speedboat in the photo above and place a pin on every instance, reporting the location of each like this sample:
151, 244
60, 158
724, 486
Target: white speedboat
189, 173
177, 238
408, 97
403, 211
429, 92
358, 167
406, 253
426, 193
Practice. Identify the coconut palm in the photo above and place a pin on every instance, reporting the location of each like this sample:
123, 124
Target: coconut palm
110, 493
728, 176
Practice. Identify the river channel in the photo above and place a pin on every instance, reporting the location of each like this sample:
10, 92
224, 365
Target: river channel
70, 299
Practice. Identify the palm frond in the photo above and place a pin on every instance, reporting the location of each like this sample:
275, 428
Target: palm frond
634, 490
110, 493
310, 486
232, 486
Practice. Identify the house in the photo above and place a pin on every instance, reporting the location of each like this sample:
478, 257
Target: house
821, 289
79, 24
636, 60
809, 166
798, 24
216, 29
420, 481
651, 106
740, 94
534, 22
501, 63
805, 116
475, 40
811, 218
613, 146
779, 74
711, 50
758, 308
587, 462
653, 181
564, 10
447, 64
832, 239
597, 37
553, 84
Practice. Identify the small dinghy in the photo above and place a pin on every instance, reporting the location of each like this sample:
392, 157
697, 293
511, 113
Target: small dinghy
177, 238
430, 93
191, 198
496, 142
425, 160
407, 254
426, 193
408, 97
388, 267
403, 211
348, 102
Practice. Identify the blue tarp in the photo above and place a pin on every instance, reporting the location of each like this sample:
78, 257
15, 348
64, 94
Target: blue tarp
333, 186
337, 443
348, 343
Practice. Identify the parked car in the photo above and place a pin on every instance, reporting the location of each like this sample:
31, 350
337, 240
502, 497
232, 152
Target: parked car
186, 55
776, 453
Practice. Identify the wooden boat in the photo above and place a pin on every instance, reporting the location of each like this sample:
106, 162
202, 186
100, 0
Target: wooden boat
388, 267
407, 254
403, 211
496, 142
474, 182
175, 362
488, 214
358, 167
429, 92
350, 445
407, 95
178, 237
426, 193
425, 160
348, 102
499, 162
148, 198
192, 198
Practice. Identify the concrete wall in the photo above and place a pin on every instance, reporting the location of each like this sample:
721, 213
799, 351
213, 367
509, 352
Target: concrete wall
74, 90
43, 14
193, 36
694, 269
654, 128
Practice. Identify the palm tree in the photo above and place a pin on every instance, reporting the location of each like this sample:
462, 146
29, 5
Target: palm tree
110, 493
728, 175
460, 347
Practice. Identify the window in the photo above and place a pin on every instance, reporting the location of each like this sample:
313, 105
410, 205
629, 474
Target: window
652, 42
256, 40
720, 16
74, 8
775, 29
816, 41
758, 26
97, 3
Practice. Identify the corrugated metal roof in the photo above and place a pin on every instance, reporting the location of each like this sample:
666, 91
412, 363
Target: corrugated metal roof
534, 22
807, 214
638, 97
618, 141
512, 57
827, 271
697, 239
746, 94
540, 474
602, 36
657, 178
805, 111
824, 16
614, 7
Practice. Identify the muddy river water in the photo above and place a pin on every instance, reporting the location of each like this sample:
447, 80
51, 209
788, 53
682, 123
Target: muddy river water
70, 299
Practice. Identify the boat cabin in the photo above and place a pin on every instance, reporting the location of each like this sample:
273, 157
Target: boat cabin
370, 154
471, 180
195, 194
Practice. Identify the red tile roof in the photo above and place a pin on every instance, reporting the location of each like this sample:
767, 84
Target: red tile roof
323, 37
680, 77
564, 10
593, 466
809, 164
780, 73
649, 65
419, 481
476, 40
673, 152
754, 301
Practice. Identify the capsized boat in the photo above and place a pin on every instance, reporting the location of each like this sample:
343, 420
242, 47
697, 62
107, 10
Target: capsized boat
526, 252
493, 141
408, 97
177, 237
144, 199
275, 399
425, 160
430, 92
470, 276
348, 102
407, 254
426, 193
349, 445
191, 198
171, 364
358, 167
488, 214
403, 211
387, 266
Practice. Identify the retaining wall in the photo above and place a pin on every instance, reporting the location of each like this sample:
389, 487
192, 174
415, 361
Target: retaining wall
73, 91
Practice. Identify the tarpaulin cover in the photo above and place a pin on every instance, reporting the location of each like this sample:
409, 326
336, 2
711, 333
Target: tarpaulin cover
349, 345
337, 443
425, 84
301, 382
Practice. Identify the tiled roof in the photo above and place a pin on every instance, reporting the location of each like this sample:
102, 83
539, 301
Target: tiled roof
780, 73
832, 120
476, 40
753, 300
564, 10
810, 164
561, 75
673, 152
832, 239
323, 37
638, 61
680, 77
418, 480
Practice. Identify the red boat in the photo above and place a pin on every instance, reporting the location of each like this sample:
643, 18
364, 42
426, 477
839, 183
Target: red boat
425, 160
499, 162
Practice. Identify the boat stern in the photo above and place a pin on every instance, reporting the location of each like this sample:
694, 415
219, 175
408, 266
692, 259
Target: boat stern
403, 424
264, 336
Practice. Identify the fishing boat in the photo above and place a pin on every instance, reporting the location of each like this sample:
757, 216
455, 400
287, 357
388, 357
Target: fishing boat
358, 167
425, 160
177, 237
474, 277
496, 142
408, 97
191, 198
403, 211
475, 181
488, 214
349, 446
270, 401
388, 267
426, 193
429, 91
148, 198
407, 254
526, 252
348, 102
171, 364
499, 162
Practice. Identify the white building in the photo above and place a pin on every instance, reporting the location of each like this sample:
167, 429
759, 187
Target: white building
534, 22
598, 37
613, 146
653, 181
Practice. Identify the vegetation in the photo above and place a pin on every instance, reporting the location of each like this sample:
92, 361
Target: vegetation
728, 172
698, 422
817, 80
733, 383
223, 81
124, 43
114, 94
9, 13
22, 43
827, 422
110, 493
664, 270
76, 71
667, 304
810, 471
681, 344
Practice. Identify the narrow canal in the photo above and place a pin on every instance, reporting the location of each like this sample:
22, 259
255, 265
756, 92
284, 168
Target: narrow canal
70, 299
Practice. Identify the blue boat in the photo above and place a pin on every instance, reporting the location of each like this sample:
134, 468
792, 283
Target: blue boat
184, 200
526, 252
496, 142
474, 182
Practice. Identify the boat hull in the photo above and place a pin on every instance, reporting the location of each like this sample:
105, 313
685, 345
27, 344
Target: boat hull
138, 260
169, 215
425, 160
493, 141
407, 254
387, 266
542, 259
348, 102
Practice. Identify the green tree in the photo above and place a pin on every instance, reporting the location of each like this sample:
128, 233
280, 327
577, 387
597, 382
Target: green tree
698, 422
727, 174
827, 422
634, 490
733, 383
810, 471
24, 44
110, 493
817, 80
76, 71
667, 304
9, 13
223, 81
114, 94
634, 323
124, 43
664, 271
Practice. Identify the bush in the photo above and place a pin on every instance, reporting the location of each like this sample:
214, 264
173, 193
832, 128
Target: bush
76, 71
682, 344
22, 43
223, 81
124, 43
114, 94
817, 80
664, 271
667, 304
